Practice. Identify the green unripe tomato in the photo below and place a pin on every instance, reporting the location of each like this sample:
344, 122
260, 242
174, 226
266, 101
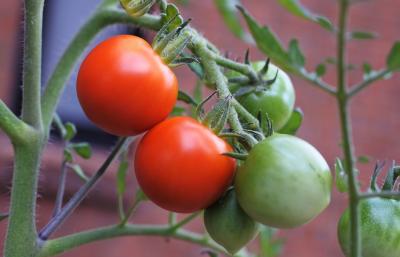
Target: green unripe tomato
380, 228
228, 224
284, 182
277, 101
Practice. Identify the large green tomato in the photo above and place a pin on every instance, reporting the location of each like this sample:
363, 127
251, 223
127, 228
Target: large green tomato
284, 182
228, 224
380, 228
277, 101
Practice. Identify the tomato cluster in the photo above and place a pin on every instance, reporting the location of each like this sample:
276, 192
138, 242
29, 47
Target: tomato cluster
125, 88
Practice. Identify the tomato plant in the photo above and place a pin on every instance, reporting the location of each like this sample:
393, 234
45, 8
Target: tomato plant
228, 224
276, 99
380, 228
180, 166
284, 182
124, 87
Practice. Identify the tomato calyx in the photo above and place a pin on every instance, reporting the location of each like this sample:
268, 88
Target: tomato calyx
137, 8
390, 181
170, 42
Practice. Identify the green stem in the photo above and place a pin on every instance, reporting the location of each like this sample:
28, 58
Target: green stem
236, 66
103, 17
131, 210
316, 81
31, 112
21, 231
15, 129
185, 221
60, 245
342, 99
383, 194
371, 79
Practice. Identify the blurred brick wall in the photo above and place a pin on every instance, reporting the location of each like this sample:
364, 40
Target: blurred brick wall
374, 112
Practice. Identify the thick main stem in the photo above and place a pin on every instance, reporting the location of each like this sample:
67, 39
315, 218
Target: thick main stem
342, 99
21, 231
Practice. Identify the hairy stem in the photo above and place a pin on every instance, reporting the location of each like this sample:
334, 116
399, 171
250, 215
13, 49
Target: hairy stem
15, 129
342, 99
31, 112
371, 79
383, 194
21, 231
60, 245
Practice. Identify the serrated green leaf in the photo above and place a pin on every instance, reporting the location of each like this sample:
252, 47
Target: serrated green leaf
79, 172
82, 149
182, 96
341, 176
362, 35
294, 122
267, 42
70, 130
320, 70
121, 177
295, 54
393, 59
296, 8
228, 11
363, 159
68, 155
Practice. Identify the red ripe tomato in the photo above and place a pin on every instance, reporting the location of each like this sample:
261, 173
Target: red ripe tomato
180, 167
124, 87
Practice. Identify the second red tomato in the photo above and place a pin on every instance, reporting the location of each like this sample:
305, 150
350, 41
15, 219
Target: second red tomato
180, 167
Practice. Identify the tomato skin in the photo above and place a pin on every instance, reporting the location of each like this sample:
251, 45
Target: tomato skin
380, 228
278, 101
228, 224
284, 182
124, 87
180, 167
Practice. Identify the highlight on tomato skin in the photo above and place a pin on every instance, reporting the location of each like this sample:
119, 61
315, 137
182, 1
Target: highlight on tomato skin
179, 165
124, 87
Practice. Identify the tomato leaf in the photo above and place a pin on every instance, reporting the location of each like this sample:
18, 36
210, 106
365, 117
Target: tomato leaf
393, 59
294, 122
177, 111
228, 11
363, 159
296, 8
79, 172
341, 176
182, 96
320, 70
362, 35
82, 149
70, 130
295, 54
266, 41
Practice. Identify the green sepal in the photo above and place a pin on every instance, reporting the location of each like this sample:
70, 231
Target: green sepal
377, 170
265, 124
182, 96
391, 177
237, 156
294, 122
218, 116
137, 8
199, 109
